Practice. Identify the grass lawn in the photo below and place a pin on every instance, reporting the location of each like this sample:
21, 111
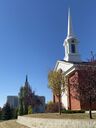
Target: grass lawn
11, 124
62, 116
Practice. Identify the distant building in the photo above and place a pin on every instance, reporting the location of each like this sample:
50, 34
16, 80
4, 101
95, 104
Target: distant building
13, 101
39, 104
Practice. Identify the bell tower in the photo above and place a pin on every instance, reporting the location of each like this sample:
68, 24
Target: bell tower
71, 44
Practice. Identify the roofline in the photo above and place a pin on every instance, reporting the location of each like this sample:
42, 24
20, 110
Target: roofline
63, 61
74, 67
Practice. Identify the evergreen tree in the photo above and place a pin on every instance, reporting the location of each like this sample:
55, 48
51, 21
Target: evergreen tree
6, 112
14, 113
0, 113
25, 98
20, 109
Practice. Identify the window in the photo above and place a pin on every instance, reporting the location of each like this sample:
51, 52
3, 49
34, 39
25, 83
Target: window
73, 50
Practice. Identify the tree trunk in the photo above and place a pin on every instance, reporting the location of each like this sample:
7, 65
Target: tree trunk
60, 104
90, 108
90, 113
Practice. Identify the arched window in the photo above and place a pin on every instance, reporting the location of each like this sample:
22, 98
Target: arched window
73, 50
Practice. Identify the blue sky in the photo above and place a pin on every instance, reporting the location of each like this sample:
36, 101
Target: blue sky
31, 40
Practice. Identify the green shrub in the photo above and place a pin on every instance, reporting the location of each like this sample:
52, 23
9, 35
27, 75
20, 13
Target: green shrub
30, 109
52, 107
0, 114
73, 111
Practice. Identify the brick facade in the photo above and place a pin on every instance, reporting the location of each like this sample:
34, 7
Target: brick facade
75, 103
55, 99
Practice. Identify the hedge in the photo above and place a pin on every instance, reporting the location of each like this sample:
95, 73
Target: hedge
73, 111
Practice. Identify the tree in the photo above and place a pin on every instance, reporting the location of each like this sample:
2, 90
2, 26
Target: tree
6, 112
14, 113
20, 109
25, 98
83, 85
56, 82
0, 113
30, 109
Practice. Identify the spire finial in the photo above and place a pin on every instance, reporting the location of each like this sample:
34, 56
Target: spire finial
70, 32
26, 78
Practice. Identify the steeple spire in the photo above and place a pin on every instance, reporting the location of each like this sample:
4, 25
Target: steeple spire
71, 44
70, 32
26, 79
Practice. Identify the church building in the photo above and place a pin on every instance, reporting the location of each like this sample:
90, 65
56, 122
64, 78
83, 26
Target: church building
69, 67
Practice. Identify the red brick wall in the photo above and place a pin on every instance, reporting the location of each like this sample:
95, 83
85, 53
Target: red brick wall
74, 103
55, 99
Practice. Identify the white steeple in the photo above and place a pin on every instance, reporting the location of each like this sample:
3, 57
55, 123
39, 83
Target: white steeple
71, 44
69, 32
